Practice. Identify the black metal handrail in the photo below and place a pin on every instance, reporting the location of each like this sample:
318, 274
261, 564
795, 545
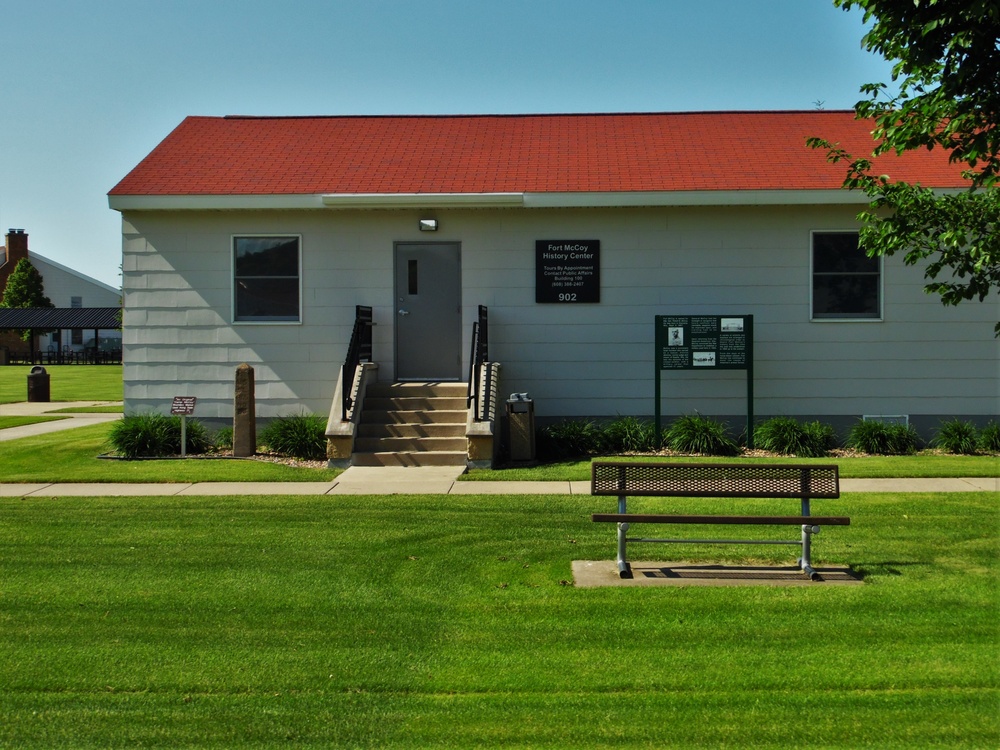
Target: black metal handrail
358, 351
479, 356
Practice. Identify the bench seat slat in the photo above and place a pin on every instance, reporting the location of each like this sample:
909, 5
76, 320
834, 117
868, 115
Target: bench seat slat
714, 480
715, 519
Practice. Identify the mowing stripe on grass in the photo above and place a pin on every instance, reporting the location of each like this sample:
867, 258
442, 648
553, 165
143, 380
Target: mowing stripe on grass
428, 621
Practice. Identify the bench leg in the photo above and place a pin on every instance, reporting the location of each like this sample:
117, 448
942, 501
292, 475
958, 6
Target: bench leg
624, 569
805, 562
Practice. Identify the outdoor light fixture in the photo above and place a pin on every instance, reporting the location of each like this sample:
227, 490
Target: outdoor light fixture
428, 225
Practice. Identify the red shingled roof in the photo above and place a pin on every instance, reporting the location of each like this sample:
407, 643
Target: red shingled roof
513, 154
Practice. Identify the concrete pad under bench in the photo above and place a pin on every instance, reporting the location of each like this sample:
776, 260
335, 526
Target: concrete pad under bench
597, 573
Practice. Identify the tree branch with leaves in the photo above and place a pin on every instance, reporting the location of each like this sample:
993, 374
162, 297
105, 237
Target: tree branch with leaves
947, 72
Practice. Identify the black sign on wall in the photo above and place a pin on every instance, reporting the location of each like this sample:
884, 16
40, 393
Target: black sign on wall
567, 271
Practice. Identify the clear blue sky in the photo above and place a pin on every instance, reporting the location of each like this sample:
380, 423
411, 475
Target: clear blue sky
89, 87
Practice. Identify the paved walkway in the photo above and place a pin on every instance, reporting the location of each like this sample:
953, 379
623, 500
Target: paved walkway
360, 480
363, 480
25, 409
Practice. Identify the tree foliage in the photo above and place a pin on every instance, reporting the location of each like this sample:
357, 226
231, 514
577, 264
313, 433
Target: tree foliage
947, 96
25, 289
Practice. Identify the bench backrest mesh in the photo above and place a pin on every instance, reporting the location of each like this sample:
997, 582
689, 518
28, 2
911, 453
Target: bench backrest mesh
714, 480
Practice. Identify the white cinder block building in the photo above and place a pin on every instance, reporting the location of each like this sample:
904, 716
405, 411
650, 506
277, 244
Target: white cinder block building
254, 239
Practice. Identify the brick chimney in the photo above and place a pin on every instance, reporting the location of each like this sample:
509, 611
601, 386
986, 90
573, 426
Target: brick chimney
17, 246
16, 249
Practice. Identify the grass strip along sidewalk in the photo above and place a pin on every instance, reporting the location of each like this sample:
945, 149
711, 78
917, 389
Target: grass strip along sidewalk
59, 458
6, 422
429, 622
72, 457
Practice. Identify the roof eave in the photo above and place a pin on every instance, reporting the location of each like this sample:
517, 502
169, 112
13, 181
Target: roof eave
801, 197
424, 200
212, 202
330, 200
694, 198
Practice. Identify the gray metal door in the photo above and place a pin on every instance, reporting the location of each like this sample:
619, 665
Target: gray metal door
428, 312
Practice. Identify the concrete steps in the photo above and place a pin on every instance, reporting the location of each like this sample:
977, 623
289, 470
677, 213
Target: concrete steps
412, 424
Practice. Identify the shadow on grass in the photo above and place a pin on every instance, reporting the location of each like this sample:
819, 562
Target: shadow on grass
885, 568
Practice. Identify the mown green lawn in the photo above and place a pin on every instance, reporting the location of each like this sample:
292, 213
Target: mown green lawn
403, 621
6, 422
72, 456
66, 383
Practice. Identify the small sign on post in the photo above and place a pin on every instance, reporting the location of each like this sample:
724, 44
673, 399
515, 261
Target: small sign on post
183, 406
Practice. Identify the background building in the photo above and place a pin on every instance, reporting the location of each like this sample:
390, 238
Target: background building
66, 288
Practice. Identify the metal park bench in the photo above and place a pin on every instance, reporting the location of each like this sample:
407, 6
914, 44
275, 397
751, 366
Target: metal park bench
804, 483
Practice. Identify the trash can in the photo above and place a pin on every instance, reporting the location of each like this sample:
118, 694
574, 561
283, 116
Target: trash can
521, 427
38, 384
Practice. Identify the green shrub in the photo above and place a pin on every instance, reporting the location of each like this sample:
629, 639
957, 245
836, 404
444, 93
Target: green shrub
882, 438
299, 435
629, 435
787, 436
156, 435
570, 438
693, 433
956, 436
790, 437
224, 437
822, 435
989, 438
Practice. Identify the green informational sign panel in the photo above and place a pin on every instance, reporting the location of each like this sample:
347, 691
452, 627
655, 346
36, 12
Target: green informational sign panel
710, 342
705, 342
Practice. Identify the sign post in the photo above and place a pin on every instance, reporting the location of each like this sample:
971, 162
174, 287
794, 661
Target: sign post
183, 406
705, 342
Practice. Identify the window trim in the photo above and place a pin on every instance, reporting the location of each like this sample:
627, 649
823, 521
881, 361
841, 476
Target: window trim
232, 278
878, 318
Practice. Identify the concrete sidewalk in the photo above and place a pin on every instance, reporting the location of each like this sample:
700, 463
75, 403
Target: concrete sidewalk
47, 409
360, 480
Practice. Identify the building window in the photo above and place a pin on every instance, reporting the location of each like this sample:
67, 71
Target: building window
846, 283
266, 279
76, 302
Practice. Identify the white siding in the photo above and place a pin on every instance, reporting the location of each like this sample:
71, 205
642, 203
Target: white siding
574, 360
62, 284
